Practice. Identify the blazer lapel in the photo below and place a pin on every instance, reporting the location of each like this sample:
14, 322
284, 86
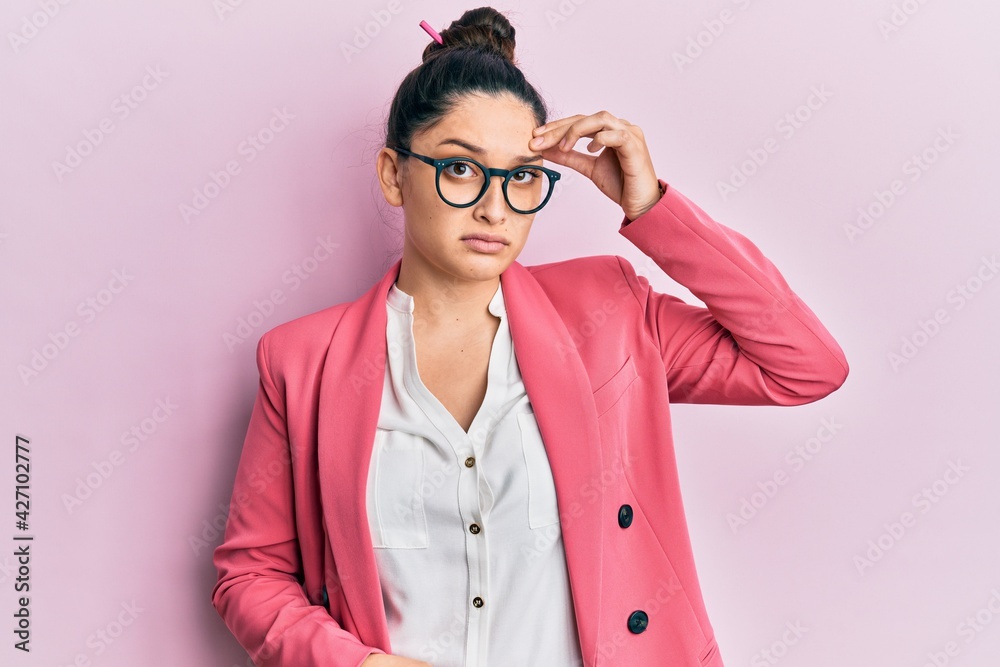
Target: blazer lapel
558, 387
350, 395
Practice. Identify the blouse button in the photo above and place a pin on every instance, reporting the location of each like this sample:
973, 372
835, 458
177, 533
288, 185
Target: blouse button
625, 516
477, 601
474, 529
471, 461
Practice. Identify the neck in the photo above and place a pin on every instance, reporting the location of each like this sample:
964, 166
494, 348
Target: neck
443, 301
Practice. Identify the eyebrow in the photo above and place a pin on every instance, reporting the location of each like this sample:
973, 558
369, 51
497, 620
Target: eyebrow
479, 150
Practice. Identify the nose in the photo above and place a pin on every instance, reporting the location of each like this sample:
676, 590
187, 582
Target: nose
493, 202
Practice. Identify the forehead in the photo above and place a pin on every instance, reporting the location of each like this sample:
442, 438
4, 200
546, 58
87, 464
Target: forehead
501, 127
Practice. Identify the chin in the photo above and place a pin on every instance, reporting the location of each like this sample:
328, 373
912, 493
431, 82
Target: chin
485, 267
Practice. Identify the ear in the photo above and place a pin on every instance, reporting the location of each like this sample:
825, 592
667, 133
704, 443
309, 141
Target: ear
387, 169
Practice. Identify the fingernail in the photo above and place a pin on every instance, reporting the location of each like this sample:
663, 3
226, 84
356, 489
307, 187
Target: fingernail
536, 141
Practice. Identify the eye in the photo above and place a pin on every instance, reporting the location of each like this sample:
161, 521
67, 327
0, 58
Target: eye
526, 176
461, 170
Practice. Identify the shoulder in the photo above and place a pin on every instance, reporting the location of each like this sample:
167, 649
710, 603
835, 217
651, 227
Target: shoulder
594, 277
594, 268
303, 341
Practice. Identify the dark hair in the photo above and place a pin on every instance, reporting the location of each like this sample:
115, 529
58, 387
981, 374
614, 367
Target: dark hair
476, 56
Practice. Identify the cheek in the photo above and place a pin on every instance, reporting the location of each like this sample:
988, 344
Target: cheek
433, 227
426, 214
420, 197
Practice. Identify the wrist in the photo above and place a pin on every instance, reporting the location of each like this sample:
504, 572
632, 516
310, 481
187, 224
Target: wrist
643, 211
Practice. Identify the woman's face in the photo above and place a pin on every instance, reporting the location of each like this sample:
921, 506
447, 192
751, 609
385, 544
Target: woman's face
495, 133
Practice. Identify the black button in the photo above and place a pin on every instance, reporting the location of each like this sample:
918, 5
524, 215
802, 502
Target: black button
638, 621
471, 461
625, 516
474, 529
477, 601
325, 600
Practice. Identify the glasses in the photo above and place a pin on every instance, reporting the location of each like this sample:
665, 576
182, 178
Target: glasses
526, 189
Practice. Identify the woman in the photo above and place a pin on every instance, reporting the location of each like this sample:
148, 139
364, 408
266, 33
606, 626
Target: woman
516, 501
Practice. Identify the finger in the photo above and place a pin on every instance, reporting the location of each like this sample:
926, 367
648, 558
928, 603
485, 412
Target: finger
554, 131
541, 129
545, 141
558, 133
588, 126
549, 134
613, 138
549, 138
575, 160
559, 137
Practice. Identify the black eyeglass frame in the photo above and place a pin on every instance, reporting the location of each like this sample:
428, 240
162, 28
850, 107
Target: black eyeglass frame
441, 163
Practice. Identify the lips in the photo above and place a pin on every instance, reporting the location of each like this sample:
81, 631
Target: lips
494, 238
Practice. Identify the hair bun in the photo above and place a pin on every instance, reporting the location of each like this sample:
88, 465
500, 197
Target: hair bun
484, 29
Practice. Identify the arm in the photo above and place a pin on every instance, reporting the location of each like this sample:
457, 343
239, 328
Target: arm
756, 343
258, 593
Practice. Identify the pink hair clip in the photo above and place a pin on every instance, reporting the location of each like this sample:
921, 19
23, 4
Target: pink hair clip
432, 32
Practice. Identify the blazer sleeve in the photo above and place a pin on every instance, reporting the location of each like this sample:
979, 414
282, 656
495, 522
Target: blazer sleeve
756, 342
258, 593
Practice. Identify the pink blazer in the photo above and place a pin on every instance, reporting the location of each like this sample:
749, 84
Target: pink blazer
602, 356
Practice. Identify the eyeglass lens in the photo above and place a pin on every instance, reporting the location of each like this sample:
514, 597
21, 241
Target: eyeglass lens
461, 183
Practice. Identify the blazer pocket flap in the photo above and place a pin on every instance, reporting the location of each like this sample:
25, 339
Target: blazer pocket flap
608, 393
710, 656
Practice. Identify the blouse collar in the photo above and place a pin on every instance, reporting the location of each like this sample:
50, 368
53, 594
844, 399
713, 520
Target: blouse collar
403, 302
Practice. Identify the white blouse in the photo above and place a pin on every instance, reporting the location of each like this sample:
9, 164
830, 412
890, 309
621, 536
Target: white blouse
465, 524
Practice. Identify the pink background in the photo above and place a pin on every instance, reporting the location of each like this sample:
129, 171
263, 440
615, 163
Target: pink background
308, 200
